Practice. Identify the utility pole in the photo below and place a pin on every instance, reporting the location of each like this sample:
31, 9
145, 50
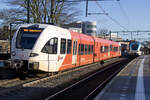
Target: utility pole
86, 8
28, 11
137, 35
131, 35
110, 35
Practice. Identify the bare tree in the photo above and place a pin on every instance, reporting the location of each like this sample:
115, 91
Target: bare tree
11, 15
41, 11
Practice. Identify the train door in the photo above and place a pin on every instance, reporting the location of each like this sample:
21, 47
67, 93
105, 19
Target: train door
100, 53
111, 50
74, 56
108, 50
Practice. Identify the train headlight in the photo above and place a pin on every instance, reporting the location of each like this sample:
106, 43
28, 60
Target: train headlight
34, 66
33, 54
13, 53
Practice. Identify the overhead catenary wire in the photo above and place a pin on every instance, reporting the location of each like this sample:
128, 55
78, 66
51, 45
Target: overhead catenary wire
124, 12
125, 15
115, 21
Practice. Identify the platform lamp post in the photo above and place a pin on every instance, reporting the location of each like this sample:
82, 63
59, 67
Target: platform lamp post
110, 35
86, 14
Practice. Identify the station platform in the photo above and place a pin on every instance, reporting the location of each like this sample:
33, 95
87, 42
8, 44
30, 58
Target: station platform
132, 83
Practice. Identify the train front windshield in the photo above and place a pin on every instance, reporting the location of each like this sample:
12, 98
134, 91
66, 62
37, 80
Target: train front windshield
26, 38
134, 46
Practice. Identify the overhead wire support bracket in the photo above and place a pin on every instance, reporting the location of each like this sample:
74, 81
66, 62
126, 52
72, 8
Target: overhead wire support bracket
97, 13
86, 12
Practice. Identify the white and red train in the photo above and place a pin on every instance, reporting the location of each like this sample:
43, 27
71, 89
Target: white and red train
50, 48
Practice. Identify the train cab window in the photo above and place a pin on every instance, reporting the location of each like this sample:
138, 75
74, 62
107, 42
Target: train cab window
69, 46
89, 49
63, 46
51, 46
82, 49
86, 49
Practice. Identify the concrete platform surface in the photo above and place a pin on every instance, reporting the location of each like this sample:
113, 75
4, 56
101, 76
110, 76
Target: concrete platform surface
132, 83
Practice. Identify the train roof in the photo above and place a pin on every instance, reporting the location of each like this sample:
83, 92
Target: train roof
104, 40
74, 34
35, 25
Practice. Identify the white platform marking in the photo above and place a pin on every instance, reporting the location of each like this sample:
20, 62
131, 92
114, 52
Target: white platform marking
140, 91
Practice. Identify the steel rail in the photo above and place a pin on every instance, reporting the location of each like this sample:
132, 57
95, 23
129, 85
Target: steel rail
79, 82
104, 82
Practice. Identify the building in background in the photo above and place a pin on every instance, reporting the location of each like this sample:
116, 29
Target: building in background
89, 28
86, 27
74, 26
4, 46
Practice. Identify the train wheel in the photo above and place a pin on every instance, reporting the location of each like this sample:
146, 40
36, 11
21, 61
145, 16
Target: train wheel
102, 62
22, 73
59, 72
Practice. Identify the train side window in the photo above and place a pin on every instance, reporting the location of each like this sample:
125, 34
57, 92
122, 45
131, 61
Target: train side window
51, 46
69, 46
86, 49
82, 49
79, 49
111, 47
74, 47
63, 46
119, 48
102, 49
89, 49
141, 49
106, 49
115, 49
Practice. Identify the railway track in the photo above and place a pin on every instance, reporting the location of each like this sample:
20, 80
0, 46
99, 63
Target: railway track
43, 86
87, 88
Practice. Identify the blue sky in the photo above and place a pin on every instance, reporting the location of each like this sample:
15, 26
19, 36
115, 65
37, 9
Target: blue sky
136, 17
137, 11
